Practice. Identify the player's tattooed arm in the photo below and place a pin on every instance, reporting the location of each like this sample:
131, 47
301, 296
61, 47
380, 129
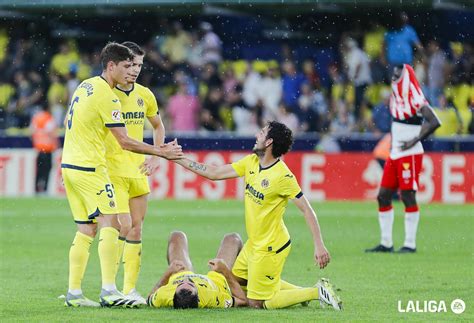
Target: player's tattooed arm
197, 166
212, 172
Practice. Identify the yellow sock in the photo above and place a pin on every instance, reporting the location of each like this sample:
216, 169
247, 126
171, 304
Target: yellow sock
108, 245
121, 243
132, 259
284, 285
286, 298
78, 257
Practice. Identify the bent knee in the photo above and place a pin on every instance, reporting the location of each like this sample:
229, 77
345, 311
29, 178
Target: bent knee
233, 237
255, 303
177, 235
88, 229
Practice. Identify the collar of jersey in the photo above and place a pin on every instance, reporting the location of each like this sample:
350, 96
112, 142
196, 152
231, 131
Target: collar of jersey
126, 92
264, 168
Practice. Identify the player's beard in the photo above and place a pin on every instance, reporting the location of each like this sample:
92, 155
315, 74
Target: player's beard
259, 151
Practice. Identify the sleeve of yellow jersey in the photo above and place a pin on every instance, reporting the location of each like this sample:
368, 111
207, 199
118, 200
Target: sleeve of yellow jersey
151, 104
223, 295
241, 165
110, 111
163, 297
289, 186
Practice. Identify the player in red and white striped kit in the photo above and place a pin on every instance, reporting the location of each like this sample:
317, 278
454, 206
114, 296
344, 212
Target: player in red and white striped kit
413, 120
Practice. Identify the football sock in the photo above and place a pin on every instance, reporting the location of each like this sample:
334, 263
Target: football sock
284, 285
412, 217
108, 244
285, 298
78, 257
121, 243
386, 224
132, 256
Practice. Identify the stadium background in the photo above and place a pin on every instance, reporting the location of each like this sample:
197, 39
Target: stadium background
332, 156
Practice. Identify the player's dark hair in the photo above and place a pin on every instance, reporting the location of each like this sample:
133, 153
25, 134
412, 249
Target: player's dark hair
114, 52
136, 50
282, 138
185, 298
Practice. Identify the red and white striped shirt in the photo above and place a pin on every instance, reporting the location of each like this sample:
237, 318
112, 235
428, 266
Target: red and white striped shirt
407, 97
405, 103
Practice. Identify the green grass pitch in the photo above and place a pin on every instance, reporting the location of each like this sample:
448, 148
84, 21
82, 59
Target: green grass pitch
36, 234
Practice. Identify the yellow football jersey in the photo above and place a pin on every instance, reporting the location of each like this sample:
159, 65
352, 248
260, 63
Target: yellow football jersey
137, 104
94, 108
213, 290
267, 191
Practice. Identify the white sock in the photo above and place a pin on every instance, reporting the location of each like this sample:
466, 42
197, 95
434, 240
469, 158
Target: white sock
386, 224
109, 287
75, 292
411, 225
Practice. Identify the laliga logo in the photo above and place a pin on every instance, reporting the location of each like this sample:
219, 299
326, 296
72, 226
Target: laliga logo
457, 306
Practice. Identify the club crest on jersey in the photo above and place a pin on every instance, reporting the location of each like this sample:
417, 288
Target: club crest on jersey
140, 102
265, 183
406, 165
116, 115
406, 174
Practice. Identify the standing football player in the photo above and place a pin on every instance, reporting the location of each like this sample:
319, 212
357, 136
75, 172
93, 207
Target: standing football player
413, 120
95, 111
128, 170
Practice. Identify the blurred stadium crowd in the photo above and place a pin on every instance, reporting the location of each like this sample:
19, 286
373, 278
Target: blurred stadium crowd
199, 89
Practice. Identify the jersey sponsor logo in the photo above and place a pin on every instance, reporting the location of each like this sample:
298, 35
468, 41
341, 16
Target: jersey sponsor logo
88, 87
116, 115
265, 183
252, 191
133, 115
140, 102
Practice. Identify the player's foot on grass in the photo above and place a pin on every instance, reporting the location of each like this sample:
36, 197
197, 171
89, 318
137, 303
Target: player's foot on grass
116, 299
380, 248
327, 295
305, 303
133, 294
406, 250
79, 301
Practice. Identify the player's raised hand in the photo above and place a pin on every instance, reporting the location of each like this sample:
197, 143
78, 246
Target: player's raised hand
217, 265
171, 150
322, 257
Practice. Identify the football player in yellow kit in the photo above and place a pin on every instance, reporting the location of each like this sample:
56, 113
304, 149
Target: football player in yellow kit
128, 171
95, 111
269, 184
181, 288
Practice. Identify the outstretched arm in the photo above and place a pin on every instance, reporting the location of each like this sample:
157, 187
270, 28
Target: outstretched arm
149, 166
321, 254
430, 124
211, 172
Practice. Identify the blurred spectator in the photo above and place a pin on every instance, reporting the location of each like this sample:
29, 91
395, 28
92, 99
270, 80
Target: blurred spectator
211, 109
195, 56
210, 77
309, 71
308, 118
177, 44
211, 44
437, 65
420, 68
58, 98
460, 64
271, 92
287, 117
451, 122
230, 83
381, 117
252, 83
343, 122
358, 71
291, 83
7, 92
373, 41
399, 42
183, 110
245, 118
4, 41
45, 141
28, 94
62, 62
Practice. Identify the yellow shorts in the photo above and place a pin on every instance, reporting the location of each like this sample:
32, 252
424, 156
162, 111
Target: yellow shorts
261, 269
126, 188
89, 193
